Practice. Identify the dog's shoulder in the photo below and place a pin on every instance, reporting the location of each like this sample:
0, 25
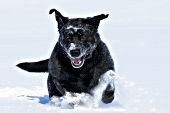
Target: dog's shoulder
104, 57
103, 49
58, 52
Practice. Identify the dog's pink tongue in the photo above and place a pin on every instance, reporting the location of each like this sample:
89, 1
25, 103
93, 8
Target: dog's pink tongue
77, 61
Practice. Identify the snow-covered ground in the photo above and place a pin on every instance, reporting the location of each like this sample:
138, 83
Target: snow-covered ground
137, 33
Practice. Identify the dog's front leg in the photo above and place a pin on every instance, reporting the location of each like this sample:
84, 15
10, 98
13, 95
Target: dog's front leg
108, 94
105, 89
58, 87
54, 87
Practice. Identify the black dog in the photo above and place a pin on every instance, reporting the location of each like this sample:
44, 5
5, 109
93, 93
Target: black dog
78, 60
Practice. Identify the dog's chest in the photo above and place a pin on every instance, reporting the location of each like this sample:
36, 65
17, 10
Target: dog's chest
75, 82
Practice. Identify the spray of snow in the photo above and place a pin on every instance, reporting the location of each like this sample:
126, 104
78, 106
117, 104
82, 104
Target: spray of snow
71, 100
129, 98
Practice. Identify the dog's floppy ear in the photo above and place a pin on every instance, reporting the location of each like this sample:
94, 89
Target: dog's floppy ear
95, 21
59, 18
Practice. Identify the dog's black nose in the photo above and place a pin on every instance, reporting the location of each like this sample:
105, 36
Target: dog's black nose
75, 52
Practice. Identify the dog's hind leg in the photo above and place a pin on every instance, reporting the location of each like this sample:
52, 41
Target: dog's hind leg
40, 66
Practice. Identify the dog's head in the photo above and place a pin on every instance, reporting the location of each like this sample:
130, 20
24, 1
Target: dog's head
78, 36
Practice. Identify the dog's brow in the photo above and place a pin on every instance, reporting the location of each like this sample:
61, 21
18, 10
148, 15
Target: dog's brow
74, 28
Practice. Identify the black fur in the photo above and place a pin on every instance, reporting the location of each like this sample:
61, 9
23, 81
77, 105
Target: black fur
59, 17
63, 76
41, 66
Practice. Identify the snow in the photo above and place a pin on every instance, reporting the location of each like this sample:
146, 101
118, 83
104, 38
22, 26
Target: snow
136, 32
36, 99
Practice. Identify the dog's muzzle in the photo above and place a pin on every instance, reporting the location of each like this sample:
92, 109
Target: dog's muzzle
77, 58
75, 52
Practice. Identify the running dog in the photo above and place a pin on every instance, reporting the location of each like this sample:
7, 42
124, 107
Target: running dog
78, 60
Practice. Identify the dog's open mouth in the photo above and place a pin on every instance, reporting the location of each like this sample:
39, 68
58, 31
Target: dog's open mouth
77, 62
78, 56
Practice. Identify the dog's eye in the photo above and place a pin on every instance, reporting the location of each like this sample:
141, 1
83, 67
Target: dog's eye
83, 38
69, 34
80, 32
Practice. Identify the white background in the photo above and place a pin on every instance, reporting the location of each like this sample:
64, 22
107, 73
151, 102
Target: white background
137, 33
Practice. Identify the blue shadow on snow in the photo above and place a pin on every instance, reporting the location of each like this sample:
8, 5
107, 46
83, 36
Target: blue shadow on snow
42, 100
